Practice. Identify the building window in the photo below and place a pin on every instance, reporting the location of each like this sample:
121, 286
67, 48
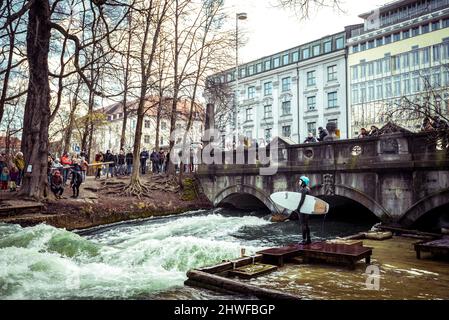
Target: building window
415, 32
146, 139
379, 67
370, 69
416, 83
363, 69
355, 94
286, 108
285, 59
339, 43
436, 53
435, 25
355, 72
332, 73
295, 56
388, 39
249, 114
424, 28
268, 88
379, 42
242, 73
363, 46
250, 70
316, 50
415, 58
436, 79
249, 134
267, 65
286, 131
371, 44
251, 92
268, 135
311, 127
387, 65
406, 34
405, 61
327, 46
147, 124
396, 37
276, 62
397, 86
259, 67
311, 103
286, 83
332, 99
388, 92
306, 53
396, 63
355, 48
371, 91
406, 84
267, 111
379, 90
311, 78
445, 23
163, 125
162, 141
426, 55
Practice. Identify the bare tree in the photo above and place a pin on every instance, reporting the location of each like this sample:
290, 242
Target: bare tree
304, 7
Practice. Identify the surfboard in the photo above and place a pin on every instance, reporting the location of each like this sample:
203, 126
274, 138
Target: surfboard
290, 201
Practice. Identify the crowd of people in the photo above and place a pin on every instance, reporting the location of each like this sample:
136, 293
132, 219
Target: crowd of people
322, 134
11, 171
374, 131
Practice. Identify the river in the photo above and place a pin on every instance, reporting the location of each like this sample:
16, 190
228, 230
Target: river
143, 259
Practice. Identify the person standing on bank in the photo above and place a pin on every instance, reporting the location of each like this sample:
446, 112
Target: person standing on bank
304, 218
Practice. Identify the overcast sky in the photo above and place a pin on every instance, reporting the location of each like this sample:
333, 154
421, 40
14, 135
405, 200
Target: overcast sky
269, 29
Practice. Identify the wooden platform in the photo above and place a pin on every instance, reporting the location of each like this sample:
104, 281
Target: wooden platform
278, 256
347, 254
435, 247
252, 270
336, 253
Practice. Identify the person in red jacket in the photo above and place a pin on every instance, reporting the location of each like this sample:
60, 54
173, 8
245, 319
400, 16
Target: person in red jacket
66, 163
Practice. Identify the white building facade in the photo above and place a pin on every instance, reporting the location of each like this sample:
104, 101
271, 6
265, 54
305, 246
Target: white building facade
108, 137
291, 93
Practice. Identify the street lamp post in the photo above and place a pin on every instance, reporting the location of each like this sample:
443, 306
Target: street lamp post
239, 16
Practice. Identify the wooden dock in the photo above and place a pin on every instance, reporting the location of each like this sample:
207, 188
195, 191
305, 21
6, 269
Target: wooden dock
338, 253
439, 247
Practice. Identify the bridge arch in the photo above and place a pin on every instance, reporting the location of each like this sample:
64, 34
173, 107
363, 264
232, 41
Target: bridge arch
242, 189
424, 206
350, 193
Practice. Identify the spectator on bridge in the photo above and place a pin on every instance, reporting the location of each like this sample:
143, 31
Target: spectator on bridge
57, 184
427, 124
144, 155
19, 162
154, 157
363, 133
129, 162
322, 134
109, 158
310, 138
440, 124
374, 131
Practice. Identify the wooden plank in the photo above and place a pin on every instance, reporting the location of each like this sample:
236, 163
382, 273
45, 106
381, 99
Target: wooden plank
221, 283
227, 265
416, 232
252, 270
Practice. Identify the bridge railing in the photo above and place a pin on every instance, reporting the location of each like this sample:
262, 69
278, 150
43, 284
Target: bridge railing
387, 151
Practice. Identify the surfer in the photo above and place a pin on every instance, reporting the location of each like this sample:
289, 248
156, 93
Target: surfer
304, 218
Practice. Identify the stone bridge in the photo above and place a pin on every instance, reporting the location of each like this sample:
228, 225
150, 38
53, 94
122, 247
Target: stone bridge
399, 177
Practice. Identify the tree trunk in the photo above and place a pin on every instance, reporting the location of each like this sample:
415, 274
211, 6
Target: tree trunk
69, 130
125, 87
37, 107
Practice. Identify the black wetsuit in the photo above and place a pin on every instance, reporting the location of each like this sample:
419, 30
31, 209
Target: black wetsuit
76, 180
304, 218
